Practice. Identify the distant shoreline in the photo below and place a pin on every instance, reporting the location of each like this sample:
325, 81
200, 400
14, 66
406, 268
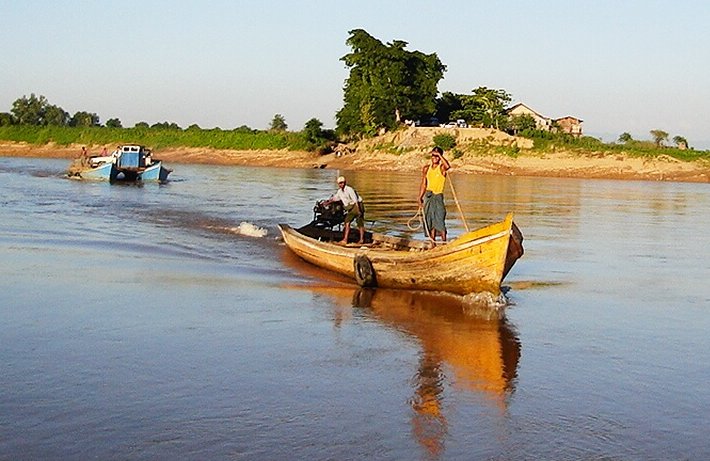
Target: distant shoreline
556, 164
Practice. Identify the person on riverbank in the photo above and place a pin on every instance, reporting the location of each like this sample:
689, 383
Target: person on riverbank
431, 194
354, 209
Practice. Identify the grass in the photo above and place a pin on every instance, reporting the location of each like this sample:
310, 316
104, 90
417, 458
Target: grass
246, 139
588, 144
156, 138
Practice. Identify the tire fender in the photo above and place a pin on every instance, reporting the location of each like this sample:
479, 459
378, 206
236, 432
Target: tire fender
364, 273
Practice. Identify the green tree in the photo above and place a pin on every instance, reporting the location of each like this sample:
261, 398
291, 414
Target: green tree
386, 84
448, 104
313, 131
166, 126
625, 137
485, 107
113, 123
141, 125
29, 110
493, 103
521, 123
659, 136
680, 142
278, 123
55, 115
83, 118
6, 119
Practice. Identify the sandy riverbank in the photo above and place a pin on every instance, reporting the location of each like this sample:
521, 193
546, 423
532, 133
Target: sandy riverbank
367, 157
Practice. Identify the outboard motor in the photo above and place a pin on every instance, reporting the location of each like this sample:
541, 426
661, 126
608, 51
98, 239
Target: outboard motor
328, 216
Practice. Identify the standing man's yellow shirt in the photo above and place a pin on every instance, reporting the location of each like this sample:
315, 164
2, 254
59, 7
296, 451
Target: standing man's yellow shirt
435, 180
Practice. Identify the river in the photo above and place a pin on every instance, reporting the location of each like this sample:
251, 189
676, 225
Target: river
169, 322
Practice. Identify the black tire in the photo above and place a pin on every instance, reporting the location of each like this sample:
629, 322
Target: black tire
364, 273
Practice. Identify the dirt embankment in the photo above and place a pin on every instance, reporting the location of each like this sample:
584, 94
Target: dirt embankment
407, 150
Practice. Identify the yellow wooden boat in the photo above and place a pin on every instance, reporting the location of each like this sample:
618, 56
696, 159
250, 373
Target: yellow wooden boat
475, 262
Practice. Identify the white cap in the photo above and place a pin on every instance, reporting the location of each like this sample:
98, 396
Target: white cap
340, 179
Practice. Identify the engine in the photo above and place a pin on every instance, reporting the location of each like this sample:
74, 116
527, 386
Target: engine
328, 215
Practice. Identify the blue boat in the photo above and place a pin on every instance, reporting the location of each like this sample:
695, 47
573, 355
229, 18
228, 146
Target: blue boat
93, 168
130, 162
154, 172
136, 163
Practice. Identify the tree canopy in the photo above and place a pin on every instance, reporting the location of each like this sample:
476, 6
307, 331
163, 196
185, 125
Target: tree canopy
83, 118
278, 123
625, 137
659, 136
386, 84
485, 107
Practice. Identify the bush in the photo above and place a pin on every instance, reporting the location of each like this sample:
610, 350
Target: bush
445, 141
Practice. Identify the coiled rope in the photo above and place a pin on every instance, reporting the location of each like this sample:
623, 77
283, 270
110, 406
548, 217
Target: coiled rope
422, 222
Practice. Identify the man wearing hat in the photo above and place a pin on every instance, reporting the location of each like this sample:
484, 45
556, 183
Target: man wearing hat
352, 203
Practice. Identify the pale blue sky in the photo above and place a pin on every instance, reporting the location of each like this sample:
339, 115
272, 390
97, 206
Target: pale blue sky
619, 65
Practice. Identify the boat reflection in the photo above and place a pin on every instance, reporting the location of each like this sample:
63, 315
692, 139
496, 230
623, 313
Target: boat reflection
466, 346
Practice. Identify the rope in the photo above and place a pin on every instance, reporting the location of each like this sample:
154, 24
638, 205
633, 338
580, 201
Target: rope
453, 192
422, 222
417, 216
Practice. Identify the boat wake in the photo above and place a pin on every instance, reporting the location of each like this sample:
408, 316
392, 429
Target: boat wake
492, 305
250, 230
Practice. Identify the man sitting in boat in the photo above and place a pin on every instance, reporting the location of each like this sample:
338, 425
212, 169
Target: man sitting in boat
431, 194
354, 209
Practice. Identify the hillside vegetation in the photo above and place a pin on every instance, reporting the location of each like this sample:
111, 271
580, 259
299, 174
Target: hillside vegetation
156, 138
458, 141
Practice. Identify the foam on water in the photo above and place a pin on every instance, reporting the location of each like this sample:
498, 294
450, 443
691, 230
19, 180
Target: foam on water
250, 230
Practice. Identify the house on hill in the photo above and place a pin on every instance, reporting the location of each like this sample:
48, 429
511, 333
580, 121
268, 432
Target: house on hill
570, 125
542, 122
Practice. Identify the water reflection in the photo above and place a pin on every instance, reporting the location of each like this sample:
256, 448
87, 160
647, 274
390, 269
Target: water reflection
466, 346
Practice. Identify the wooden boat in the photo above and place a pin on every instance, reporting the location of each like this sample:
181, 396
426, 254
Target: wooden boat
475, 262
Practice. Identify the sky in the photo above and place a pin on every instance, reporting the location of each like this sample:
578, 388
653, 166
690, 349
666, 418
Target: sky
621, 66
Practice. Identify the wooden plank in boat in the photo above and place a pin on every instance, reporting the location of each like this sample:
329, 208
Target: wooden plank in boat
401, 243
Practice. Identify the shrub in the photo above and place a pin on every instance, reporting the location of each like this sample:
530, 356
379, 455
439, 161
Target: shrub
445, 141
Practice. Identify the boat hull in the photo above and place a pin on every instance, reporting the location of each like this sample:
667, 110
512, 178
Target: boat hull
475, 262
102, 172
155, 172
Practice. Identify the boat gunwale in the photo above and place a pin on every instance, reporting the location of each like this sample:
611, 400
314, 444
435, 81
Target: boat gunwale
404, 256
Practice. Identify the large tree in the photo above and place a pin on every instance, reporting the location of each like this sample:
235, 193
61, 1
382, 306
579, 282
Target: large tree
485, 107
55, 115
387, 84
448, 104
83, 118
30, 110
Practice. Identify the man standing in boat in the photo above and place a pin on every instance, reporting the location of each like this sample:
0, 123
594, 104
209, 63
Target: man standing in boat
354, 209
431, 194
